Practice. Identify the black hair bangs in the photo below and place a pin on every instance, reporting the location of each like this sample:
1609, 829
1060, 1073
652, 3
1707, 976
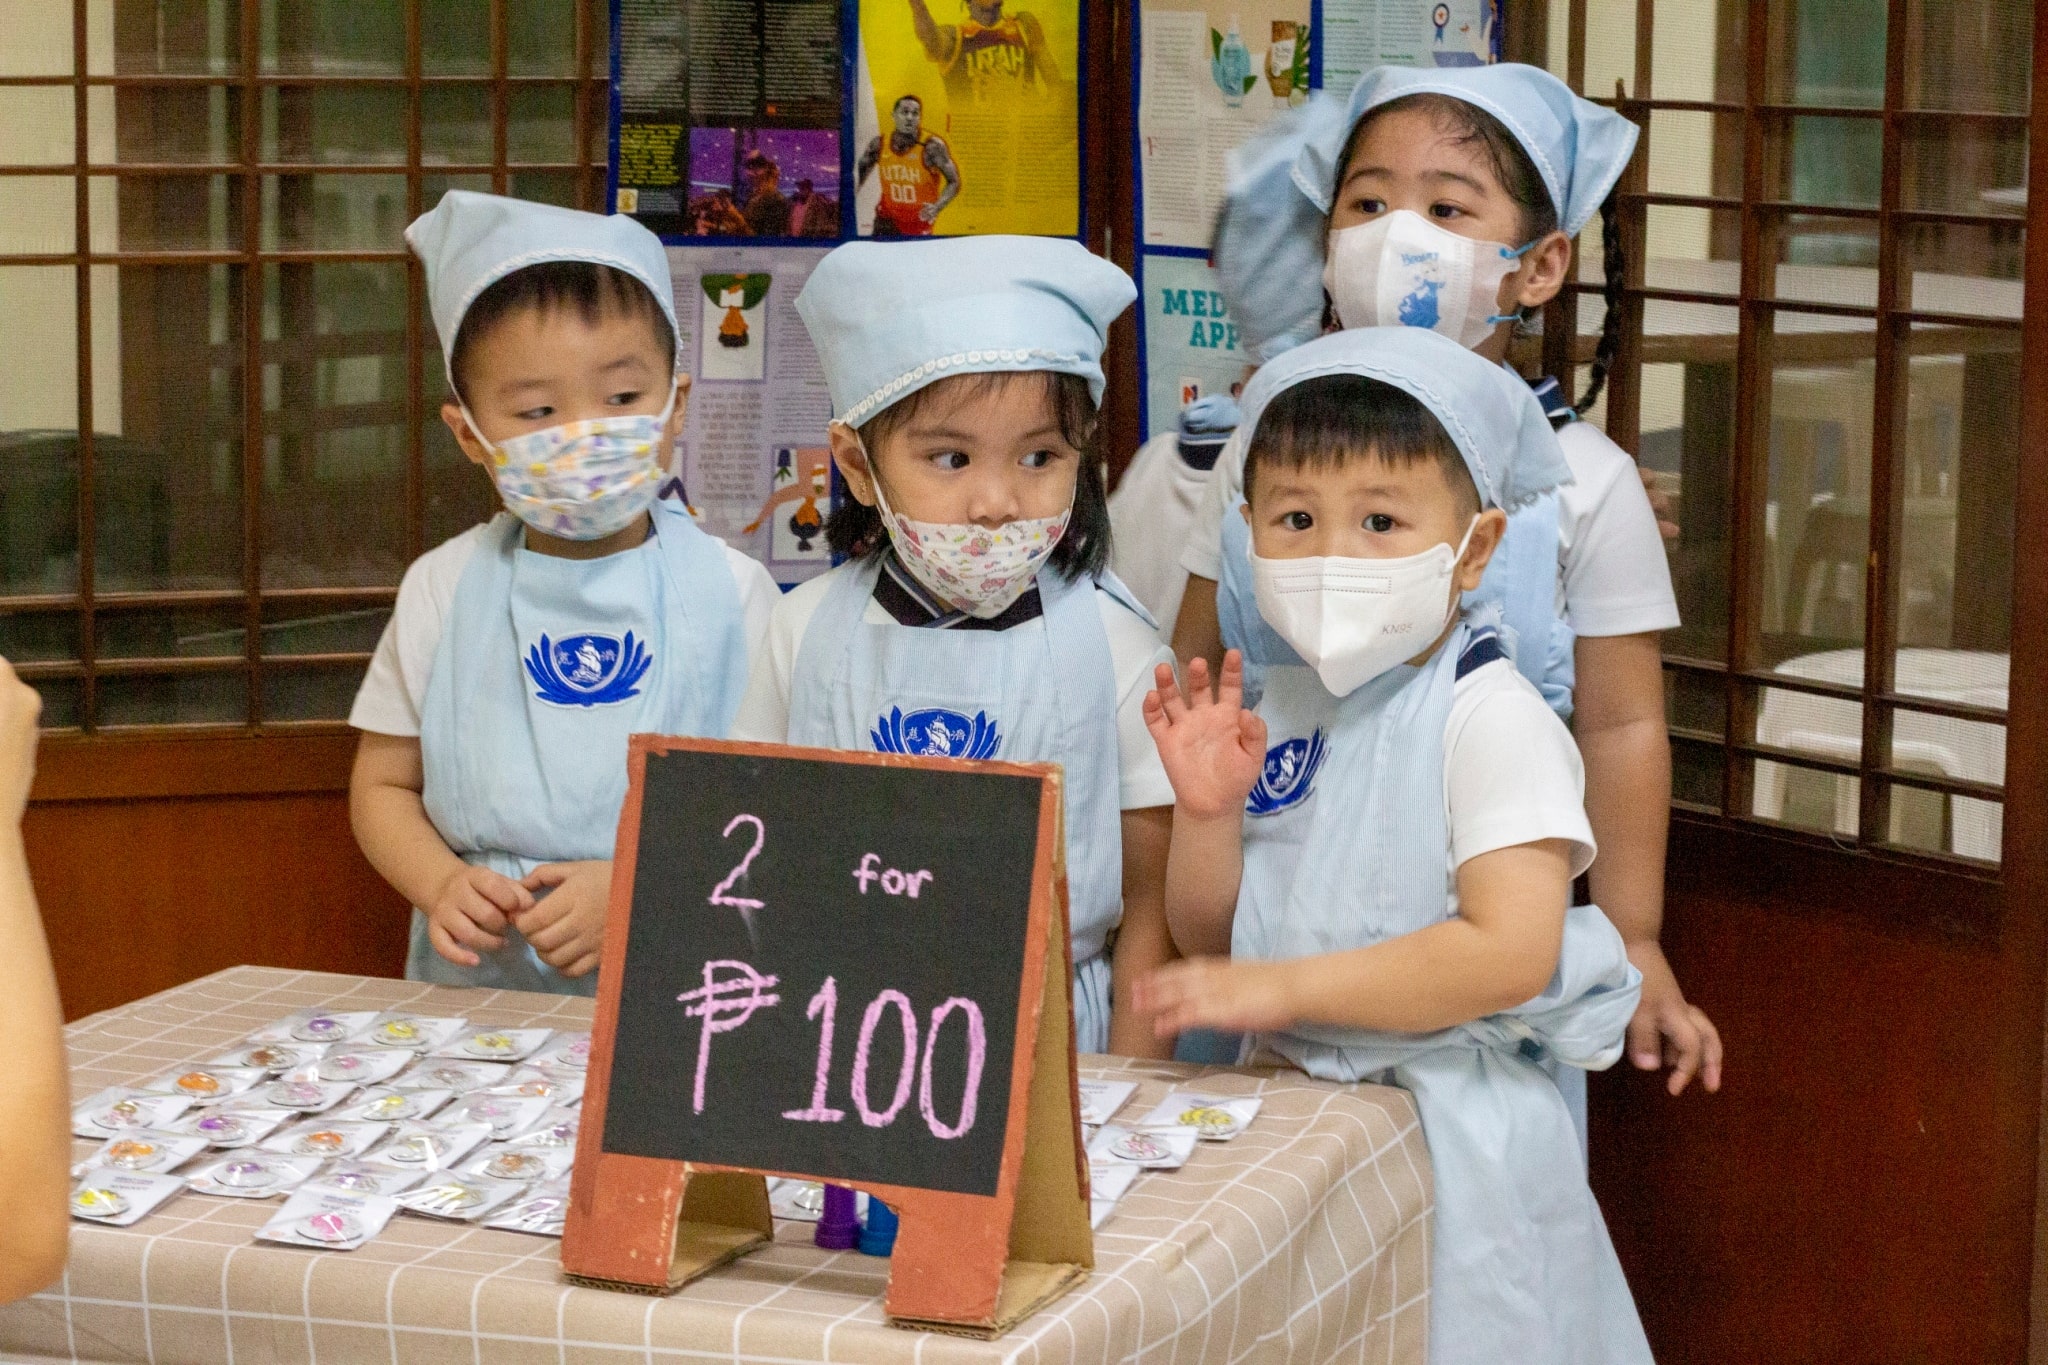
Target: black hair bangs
1331, 420
591, 290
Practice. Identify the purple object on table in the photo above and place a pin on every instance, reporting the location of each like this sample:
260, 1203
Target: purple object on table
838, 1225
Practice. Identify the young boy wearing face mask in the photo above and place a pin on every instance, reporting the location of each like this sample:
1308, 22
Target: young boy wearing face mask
1385, 847
1447, 200
522, 652
974, 616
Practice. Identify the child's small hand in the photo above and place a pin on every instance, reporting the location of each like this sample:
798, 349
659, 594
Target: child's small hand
566, 926
1212, 747
1217, 993
469, 915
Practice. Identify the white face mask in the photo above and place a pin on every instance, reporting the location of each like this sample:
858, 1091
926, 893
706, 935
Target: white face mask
581, 480
1402, 270
1353, 619
971, 568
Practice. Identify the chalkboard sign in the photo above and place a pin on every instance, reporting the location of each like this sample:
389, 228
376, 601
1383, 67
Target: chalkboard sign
841, 966
828, 949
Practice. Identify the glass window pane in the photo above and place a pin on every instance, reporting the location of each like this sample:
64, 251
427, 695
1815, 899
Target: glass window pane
332, 37
167, 213
1955, 268
1694, 153
1825, 727
36, 45
459, 494
455, 38
324, 693
319, 628
1811, 159
169, 633
1940, 746
1696, 774
38, 422
540, 124
1810, 258
599, 21
1687, 440
1680, 43
38, 636
540, 37
455, 125
176, 37
167, 498
1958, 477
1610, 47
349, 125
63, 707
1826, 52
334, 502
432, 187
334, 212
546, 187
1695, 701
177, 124
1964, 166
1805, 798
41, 216
1969, 54
182, 699
1695, 250
37, 125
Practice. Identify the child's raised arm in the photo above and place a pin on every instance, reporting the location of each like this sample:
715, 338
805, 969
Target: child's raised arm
1212, 748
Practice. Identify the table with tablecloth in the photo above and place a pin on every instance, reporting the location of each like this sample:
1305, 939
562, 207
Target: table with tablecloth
1306, 1238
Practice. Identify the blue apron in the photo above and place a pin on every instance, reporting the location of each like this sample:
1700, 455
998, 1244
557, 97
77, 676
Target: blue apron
1044, 691
1346, 844
545, 666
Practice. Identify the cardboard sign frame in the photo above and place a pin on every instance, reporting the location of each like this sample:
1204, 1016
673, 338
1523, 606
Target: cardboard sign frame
968, 1264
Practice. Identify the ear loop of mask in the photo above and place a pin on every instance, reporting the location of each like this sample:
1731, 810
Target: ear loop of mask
1499, 318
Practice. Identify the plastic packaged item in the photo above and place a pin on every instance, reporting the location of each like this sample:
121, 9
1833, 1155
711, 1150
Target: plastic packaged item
499, 1162
272, 1057
1215, 1118
363, 1177
555, 1128
254, 1175
1101, 1099
314, 1026
232, 1127
433, 1073
1158, 1149
206, 1084
496, 1044
387, 1105
571, 1050
417, 1147
507, 1115
306, 1097
353, 1064
123, 1109
461, 1199
1107, 1182
328, 1138
412, 1032
318, 1215
541, 1210
118, 1198
148, 1149
558, 1086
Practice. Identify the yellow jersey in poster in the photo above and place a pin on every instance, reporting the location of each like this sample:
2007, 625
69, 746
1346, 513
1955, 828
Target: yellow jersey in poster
991, 60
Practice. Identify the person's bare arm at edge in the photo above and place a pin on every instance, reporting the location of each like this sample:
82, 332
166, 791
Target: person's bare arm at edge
1619, 723
868, 159
1197, 633
35, 1104
940, 41
1142, 941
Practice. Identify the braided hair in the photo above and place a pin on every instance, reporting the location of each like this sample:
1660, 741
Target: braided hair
1614, 263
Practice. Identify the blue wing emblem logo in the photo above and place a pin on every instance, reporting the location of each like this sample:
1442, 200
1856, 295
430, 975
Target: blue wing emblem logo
936, 733
1288, 776
587, 670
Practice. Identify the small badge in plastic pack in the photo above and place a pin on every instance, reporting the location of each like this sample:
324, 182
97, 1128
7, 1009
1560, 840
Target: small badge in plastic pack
416, 1147
146, 1149
412, 1032
254, 1175
1108, 1181
207, 1084
464, 1198
386, 1105
556, 1128
232, 1127
123, 1109
319, 1216
1157, 1149
272, 1057
1101, 1099
507, 1115
314, 1026
119, 1198
307, 1097
541, 1210
496, 1044
570, 1050
355, 1064
364, 1177
325, 1138
1216, 1118
435, 1073
532, 1083
499, 1162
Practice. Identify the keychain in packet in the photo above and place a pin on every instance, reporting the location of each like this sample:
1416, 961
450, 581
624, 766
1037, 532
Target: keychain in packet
542, 1210
324, 1138
557, 1128
460, 1077
1101, 1099
272, 1057
565, 1088
307, 1097
122, 1108
416, 1147
412, 1032
570, 1050
339, 1220
499, 1162
363, 1177
496, 1045
314, 1026
1108, 1181
1156, 1149
1215, 1118
353, 1064
462, 1199
204, 1085
118, 1198
146, 1149
507, 1115
254, 1175
387, 1105
231, 1127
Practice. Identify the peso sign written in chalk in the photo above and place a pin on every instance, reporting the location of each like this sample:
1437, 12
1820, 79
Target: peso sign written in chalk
823, 969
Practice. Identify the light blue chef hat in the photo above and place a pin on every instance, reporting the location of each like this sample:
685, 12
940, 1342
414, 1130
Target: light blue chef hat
1490, 413
1268, 251
469, 241
1579, 148
889, 318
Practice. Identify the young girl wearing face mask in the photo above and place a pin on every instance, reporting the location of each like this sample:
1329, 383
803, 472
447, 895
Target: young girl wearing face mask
1385, 847
974, 617
1447, 200
521, 653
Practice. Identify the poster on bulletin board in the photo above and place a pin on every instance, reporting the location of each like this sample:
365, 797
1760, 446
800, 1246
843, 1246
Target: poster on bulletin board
1191, 343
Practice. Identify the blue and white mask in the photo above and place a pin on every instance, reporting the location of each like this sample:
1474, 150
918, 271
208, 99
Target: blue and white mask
1402, 270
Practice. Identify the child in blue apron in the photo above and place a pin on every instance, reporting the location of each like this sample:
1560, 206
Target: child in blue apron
1385, 846
522, 652
1448, 200
974, 616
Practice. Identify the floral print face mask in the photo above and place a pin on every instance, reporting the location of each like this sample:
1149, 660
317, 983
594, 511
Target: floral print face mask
976, 569
581, 480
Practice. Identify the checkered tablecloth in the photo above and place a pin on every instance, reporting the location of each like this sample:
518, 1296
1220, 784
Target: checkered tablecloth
1304, 1239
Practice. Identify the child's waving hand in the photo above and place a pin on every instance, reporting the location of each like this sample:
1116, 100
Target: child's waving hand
1212, 747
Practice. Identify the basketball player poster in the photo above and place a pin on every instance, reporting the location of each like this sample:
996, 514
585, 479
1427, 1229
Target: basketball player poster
966, 117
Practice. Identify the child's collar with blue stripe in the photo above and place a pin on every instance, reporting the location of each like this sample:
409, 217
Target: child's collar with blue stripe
1557, 406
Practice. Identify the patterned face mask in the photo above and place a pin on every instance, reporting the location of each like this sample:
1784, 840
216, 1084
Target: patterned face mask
976, 569
581, 480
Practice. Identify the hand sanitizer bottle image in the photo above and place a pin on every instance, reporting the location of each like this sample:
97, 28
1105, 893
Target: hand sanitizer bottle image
1232, 68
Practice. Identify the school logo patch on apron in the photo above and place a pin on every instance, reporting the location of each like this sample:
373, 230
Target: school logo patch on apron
587, 670
936, 733
1288, 776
